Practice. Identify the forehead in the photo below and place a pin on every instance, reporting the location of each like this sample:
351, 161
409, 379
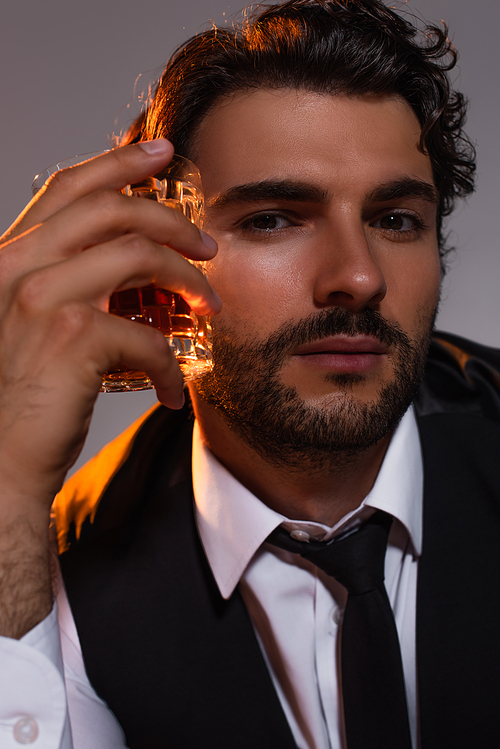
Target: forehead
342, 143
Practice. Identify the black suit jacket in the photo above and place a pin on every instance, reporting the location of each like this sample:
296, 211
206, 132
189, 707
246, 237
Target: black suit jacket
165, 650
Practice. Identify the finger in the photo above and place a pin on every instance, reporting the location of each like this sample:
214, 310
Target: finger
112, 170
105, 214
123, 263
147, 350
107, 340
51, 382
95, 219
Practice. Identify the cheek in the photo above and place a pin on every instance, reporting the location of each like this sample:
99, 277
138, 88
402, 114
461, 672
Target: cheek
413, 291
258, 288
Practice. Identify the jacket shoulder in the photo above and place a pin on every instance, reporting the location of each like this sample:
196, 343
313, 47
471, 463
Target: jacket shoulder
117, 470
460, 376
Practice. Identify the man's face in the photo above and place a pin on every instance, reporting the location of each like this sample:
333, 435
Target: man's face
328, 268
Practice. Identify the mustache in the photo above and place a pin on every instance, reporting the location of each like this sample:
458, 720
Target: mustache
336, 321
230, 355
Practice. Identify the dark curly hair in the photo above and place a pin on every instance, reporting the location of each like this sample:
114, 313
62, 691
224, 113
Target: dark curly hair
353, 47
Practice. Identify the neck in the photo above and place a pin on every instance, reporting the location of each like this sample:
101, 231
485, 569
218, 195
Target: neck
320, 492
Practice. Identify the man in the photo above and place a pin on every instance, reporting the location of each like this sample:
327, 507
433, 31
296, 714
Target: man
330, 149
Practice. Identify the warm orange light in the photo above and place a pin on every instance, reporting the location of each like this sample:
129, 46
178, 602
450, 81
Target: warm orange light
79, 497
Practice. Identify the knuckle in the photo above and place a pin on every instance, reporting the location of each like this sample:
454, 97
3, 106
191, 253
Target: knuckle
61, 180
119, 156
176, 216
180, 223
112, 209
135, 242
105, 201
32, 292
140, 249
68, 330
11, 260
73, 320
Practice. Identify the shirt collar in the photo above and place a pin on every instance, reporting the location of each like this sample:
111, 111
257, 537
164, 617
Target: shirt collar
233, 523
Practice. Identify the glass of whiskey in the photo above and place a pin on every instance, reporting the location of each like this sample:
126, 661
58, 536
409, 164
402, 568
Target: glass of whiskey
178, 186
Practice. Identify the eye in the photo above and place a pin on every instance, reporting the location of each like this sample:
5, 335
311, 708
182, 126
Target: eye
266, 223
402, 223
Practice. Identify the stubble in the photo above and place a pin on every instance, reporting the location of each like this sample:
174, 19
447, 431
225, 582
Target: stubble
272, 417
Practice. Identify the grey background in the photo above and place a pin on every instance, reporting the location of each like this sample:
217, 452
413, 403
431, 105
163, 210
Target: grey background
68, 78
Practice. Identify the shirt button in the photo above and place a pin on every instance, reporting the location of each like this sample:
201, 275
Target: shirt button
338, 614
26, 730
300, 536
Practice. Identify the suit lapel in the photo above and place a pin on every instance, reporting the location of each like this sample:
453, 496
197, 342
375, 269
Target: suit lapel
458, 605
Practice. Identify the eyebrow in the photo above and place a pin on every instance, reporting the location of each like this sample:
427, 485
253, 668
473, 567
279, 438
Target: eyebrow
303, 192
293, 191
406, 187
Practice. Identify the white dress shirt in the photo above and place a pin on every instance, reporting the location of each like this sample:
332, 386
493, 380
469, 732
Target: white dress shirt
295, 609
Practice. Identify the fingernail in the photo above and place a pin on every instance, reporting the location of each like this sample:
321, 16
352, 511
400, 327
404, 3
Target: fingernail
176, 401
156, 147
208, 241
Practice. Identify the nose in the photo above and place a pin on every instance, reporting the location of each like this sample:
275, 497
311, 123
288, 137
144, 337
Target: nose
348, 272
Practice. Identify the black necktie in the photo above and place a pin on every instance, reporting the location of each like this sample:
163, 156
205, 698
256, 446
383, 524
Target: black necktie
373, 689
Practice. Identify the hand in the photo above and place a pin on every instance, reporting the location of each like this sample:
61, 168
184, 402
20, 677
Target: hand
79, 240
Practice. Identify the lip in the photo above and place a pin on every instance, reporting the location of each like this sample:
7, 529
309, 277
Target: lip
354, 354
350, 345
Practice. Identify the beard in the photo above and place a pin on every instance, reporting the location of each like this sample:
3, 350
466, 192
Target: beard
278, 423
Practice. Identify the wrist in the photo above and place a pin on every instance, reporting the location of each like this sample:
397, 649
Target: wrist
25, 570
